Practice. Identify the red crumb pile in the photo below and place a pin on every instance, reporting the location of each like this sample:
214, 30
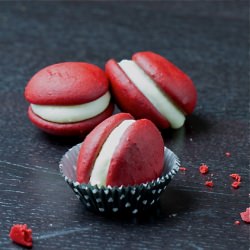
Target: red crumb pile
235, 184
236, 177
21, 235
209, 183
245, 216
237, 181
203, 168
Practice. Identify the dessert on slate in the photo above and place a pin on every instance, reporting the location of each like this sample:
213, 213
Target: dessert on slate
68, 98
121, 166
120, 152
149, 86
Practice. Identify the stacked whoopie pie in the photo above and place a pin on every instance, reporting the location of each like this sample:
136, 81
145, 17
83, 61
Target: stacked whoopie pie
122, 161
149, 86
69, 98
121, 151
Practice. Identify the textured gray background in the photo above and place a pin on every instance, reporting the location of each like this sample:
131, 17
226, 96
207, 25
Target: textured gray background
206, 39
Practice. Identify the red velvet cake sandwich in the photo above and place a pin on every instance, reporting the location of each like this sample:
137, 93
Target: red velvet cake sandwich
149, 86
68, 98
121, 151
122, 165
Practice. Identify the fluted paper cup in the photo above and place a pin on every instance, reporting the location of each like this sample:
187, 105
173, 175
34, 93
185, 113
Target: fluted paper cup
109, 200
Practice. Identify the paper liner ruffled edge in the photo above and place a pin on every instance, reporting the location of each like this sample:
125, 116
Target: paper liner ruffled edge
109, 200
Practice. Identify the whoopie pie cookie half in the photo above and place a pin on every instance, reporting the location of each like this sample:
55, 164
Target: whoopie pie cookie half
149, 86
69, 98
121, 151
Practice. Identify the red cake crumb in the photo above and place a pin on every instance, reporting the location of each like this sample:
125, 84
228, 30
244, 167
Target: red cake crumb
235, 184
237, 222
237, 177
183, 169
21, 235
245, 216
228, 154
203, 168
209, 183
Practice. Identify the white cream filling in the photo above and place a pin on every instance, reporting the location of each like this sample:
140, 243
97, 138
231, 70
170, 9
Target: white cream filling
153, 93
72, 113
102, 162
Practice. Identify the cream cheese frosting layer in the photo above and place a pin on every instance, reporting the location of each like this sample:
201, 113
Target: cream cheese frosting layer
102, 162
72, 113
153, 93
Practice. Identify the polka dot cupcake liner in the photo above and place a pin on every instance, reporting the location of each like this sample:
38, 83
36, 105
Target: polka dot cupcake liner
110, 200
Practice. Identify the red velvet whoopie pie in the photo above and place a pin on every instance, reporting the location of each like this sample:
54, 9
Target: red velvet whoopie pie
121, 151
149, 86
69, 98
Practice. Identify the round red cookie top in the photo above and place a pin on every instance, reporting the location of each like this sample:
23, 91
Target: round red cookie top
67, 83
178, 86
138, 157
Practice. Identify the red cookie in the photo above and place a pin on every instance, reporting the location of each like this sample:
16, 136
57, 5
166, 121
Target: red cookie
68, 98
149, 86
121, 151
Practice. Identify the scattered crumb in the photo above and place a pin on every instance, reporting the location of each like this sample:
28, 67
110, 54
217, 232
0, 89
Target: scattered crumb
183, 169
237, 181
235, 184
237, 222
245, 216
209, 183
237, 177
203, 168
228, 154
21, 234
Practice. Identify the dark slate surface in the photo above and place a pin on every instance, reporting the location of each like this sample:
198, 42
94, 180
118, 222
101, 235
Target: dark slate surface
209, 41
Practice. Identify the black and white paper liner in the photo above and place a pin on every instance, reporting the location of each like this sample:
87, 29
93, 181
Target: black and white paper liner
131, 199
